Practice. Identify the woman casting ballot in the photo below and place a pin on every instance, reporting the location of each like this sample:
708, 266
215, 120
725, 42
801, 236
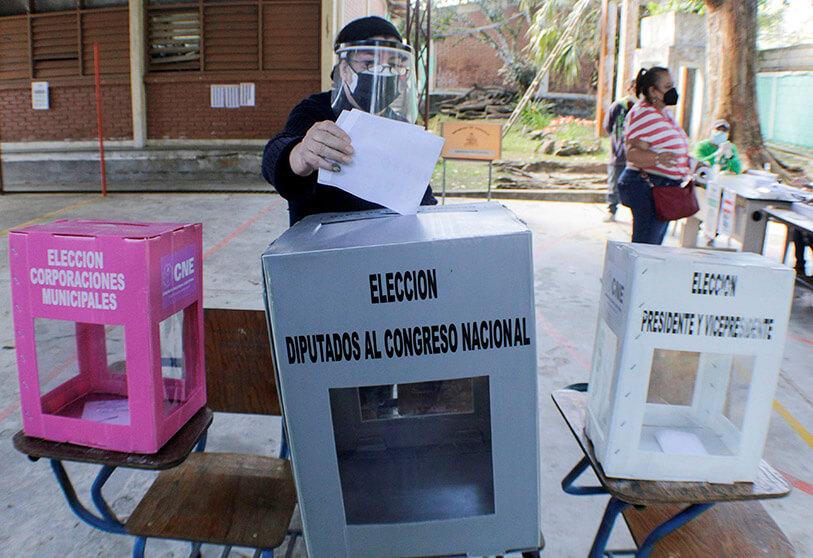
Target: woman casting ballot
657, 152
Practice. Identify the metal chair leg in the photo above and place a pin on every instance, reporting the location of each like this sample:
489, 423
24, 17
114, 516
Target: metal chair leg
284, 450
575, 473
614, 507
98, 498
139, 546
201, 445
670, 525
103, 524
289, 552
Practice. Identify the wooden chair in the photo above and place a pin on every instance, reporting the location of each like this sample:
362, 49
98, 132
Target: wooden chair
225, 498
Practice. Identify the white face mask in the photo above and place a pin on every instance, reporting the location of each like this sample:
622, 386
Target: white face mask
718, 138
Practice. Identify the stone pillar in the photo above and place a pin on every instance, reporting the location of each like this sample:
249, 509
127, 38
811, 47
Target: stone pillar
627, 43
137, 69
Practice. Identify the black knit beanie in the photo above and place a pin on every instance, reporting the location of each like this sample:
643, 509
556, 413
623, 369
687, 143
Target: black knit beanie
365, 28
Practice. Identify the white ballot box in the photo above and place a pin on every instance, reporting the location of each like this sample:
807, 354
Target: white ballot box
683, 336
406, 357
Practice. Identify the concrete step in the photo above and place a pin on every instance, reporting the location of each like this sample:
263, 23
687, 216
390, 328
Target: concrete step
230, 168
566, 195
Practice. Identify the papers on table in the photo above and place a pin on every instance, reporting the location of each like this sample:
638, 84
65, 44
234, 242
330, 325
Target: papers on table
111, 411
680, 442
392, 161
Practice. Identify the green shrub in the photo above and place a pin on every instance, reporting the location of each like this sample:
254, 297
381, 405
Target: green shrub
537, 114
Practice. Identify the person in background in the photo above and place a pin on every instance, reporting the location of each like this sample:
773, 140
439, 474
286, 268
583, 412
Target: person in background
718, 150
657, 152
801, 241
614, 126
374, 72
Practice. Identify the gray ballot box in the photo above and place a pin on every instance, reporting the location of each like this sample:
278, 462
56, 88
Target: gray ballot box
406, 360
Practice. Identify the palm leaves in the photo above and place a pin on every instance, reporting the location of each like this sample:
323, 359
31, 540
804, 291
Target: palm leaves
548, 22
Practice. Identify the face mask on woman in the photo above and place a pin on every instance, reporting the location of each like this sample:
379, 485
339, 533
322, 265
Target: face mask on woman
670, 98
719, 137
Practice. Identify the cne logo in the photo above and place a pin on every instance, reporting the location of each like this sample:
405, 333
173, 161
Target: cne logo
184, 269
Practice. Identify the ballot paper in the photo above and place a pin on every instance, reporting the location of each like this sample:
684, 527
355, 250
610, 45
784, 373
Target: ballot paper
680, 442
392, 161
111, 411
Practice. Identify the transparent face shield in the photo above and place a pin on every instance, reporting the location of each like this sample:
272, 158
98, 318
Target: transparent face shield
377, 77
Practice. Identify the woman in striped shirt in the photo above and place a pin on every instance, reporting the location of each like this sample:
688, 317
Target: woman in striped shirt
657, 152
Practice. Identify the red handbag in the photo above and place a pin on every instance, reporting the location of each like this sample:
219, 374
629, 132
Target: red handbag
673, 202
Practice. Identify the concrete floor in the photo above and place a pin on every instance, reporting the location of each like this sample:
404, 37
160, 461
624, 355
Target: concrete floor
568, 251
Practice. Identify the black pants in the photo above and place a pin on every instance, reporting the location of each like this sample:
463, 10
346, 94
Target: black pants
801, 240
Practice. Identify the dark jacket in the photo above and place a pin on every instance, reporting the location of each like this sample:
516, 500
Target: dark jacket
304, 194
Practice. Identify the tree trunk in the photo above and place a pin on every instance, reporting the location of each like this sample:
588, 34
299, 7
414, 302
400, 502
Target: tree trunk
732, 54
713, 58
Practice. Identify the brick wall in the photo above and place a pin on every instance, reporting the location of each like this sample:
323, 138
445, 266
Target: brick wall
72, 115
462, 62
181, 110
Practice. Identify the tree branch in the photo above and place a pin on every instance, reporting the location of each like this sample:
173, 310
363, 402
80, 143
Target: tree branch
476, 30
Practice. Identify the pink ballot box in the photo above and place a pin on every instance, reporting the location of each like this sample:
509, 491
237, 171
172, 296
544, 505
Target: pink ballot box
108, 320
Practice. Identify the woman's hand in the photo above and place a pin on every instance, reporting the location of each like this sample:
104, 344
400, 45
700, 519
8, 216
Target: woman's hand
640, 155
323, 146
665, 159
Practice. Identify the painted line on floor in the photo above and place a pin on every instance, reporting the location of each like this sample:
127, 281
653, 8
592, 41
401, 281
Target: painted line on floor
793, 422
796, 483
5, 413
46, 216
9, 410
800, 339
239, 230
563, 342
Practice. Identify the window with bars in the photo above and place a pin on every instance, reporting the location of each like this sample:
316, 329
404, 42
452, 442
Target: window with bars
56, 40
237, 35
13, 7
55, 45
14, 61
174, 39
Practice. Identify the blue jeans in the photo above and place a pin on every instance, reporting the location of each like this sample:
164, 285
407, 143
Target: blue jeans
636, 194
613, 174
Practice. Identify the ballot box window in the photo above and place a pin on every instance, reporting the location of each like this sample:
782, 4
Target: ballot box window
414, 451
696, 402
82, 371
178, 339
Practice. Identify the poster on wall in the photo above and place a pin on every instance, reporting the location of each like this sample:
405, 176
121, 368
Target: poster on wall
246, 94
40, 99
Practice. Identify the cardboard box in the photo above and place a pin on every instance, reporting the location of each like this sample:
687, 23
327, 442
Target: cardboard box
108, 320
682, 337
405, 353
